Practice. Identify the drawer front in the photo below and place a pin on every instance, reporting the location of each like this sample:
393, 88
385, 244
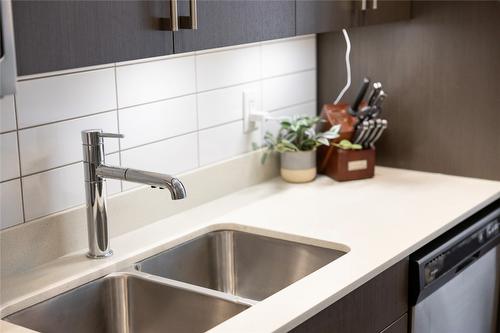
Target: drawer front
399, 326
369, 309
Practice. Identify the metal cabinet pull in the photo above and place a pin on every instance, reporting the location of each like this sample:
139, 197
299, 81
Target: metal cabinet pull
375, 5
191, 21
8, 71
363, 5
172, 23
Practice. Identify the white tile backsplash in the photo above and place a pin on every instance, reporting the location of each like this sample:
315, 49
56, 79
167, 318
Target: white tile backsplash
177, 113
9, 161
7, 114
49, 146
225, 68
293, 56
283, 91
171, 156
224, 105
11, 207
53, 191
306, 109
156, 121
55, 98
156, 80
226, 141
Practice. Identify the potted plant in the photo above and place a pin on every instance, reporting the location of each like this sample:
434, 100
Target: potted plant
296, 142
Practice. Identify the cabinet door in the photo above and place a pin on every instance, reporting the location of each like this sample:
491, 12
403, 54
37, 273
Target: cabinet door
316, 16
232, 22
384, 11
399, 326
371, 308
56, 35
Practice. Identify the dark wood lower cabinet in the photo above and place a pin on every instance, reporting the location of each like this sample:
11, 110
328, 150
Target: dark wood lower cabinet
377, 306
399, 326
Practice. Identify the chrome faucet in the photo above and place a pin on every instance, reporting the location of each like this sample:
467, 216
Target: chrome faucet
96, 173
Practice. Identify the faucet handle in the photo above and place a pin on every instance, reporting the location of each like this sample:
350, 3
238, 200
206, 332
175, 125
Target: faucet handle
111, 135
93, 137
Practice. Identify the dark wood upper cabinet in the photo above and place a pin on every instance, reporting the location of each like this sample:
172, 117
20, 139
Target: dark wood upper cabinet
57, 35
316, 16
223, 23
385, 11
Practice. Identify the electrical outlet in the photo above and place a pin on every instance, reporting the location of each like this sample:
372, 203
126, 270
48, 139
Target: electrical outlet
249, 108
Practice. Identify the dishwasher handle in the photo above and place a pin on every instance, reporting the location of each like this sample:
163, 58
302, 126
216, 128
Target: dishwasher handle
451, 253
467, 262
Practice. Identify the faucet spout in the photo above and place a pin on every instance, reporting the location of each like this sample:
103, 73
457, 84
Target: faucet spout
95, 174
154, 179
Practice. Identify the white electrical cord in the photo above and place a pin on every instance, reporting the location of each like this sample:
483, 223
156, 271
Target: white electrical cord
348, 66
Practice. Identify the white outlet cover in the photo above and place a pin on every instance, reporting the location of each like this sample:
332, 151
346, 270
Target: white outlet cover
249, 106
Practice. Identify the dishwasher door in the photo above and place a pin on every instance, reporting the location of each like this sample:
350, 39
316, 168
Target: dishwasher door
468, 303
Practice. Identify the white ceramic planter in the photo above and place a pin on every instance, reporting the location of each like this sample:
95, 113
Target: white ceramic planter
298, 167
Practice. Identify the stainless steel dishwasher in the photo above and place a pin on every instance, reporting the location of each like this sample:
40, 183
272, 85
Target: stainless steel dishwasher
455, 279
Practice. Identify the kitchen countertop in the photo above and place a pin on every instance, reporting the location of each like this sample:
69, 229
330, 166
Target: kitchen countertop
381, 220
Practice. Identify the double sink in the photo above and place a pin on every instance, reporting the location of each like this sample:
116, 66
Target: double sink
192, 287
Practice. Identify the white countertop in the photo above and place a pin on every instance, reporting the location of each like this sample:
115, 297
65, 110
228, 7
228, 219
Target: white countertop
382, 220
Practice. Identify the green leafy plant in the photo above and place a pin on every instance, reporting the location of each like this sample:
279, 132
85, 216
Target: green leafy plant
298, 134
347, 145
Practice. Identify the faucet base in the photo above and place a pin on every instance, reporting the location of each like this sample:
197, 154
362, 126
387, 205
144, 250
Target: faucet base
100, 256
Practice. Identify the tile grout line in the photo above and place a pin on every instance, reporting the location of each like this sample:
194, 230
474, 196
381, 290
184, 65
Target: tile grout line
218, 88
59, 166
118, 124
78, 70
159, 140
198, 155
157, 101
19, 159
68, 119
9, 131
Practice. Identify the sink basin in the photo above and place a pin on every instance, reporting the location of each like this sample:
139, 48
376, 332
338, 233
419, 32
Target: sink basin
128, 302
242, 264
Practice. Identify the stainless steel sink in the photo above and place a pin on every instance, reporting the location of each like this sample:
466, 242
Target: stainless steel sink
129, 302
239, 263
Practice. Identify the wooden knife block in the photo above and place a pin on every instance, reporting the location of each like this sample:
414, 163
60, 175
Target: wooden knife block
336, 114
343, 165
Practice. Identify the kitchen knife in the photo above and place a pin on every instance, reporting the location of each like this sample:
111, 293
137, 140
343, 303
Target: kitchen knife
371, 127
363, 129
353, 110
379, 99
376, 108
379, 134
377, 86
373, 133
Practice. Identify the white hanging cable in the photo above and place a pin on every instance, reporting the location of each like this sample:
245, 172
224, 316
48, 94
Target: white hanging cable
348, 66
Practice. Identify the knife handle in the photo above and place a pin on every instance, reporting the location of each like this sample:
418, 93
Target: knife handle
377, 86
361, 95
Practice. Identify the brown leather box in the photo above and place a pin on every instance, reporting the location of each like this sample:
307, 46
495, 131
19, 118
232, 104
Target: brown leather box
343, 165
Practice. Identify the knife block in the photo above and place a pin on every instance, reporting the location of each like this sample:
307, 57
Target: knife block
335, 114
343, 165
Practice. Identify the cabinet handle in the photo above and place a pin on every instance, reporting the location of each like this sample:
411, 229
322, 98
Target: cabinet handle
172, 23
8, 70
191, 21
363, 5
375, 5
